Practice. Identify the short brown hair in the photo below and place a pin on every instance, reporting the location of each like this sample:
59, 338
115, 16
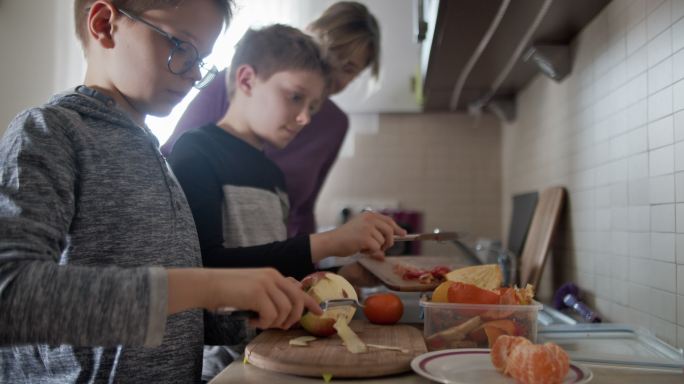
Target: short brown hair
346, 27
82, 7
277, 48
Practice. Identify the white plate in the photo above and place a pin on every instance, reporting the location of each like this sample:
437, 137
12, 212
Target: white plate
471, 365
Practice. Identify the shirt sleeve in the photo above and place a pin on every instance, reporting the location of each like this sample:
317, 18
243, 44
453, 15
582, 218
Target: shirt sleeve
193, 169
42, 300
209, 106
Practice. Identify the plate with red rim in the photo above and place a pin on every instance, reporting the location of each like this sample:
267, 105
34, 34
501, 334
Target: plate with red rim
474, 365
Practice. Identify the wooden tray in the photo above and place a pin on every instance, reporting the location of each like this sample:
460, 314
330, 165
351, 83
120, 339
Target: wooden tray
384, 270
270, 350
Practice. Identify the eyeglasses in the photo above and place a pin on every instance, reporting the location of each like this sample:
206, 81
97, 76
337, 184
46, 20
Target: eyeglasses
183, 56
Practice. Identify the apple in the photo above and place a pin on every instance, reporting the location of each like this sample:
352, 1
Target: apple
324, 286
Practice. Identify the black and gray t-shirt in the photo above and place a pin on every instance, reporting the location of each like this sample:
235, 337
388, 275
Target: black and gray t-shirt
239, 203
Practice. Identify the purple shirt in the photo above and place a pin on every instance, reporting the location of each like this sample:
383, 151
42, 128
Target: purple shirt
305, 162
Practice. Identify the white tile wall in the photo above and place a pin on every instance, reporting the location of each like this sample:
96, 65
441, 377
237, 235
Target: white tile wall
661, 132
663, 276
679, 156
678, 96
619, 194
636, 38
639, 297
636, 12
660, 104
679, 125
678, 65
637, 62
640, 245
446, 165
679, 187
625, 140
638, 166
677, 10
679, 247
661, 161
659, 48
664, 305
658, 20
678, 35
652, 5
663, 218
663, 246
660, 76
662, 189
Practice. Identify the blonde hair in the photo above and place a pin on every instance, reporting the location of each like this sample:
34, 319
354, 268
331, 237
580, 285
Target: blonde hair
347, 26
82, 7
277, 48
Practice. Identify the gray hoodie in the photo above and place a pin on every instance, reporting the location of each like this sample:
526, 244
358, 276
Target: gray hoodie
89, 216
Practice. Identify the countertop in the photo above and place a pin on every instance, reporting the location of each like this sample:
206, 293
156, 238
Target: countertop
237, 372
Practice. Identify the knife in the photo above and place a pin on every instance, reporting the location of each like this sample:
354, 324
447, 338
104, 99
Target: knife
439, 236
253, 315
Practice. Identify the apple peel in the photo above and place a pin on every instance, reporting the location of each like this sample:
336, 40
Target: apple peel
388, 347
459, 332
350, 339
302, 341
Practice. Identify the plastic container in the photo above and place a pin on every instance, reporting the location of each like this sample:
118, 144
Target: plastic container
450, 325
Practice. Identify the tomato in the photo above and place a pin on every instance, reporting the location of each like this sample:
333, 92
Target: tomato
383, 308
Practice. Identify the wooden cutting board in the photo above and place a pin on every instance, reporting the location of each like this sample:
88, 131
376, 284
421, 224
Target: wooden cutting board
540, 235
384, 270
270, 350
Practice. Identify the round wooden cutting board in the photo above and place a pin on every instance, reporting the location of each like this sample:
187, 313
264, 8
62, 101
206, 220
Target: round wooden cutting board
271, 350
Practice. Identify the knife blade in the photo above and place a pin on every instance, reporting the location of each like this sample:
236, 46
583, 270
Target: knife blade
253, 315
439, 236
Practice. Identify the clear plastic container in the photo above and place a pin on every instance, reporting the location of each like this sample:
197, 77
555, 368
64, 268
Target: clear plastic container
450, 325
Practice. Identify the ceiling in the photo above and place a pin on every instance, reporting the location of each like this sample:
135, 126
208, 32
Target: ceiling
459, 30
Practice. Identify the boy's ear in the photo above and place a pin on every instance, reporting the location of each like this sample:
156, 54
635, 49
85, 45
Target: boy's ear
245, 77
100, 27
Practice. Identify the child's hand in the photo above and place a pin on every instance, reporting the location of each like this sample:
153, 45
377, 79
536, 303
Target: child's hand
369, 232
279, 301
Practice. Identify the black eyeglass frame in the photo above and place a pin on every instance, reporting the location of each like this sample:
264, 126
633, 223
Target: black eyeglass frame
178, 44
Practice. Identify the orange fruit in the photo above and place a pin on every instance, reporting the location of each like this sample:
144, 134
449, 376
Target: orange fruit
383, 308
440, 294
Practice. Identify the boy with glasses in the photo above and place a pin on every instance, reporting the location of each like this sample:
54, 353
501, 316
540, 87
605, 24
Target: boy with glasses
99, 258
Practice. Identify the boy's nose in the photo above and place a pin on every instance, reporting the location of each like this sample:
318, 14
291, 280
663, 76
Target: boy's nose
304, 117
195, 73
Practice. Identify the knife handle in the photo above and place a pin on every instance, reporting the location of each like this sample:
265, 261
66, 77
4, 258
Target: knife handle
230, 311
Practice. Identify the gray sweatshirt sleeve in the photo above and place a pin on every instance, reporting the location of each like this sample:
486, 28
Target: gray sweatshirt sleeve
44, 299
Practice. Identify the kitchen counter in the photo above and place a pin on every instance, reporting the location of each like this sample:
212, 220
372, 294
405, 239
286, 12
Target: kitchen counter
237, 372
248, 374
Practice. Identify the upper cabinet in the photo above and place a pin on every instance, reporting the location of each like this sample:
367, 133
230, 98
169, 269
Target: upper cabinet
482, 52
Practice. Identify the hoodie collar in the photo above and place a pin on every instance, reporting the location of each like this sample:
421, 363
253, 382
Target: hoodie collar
90, 102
